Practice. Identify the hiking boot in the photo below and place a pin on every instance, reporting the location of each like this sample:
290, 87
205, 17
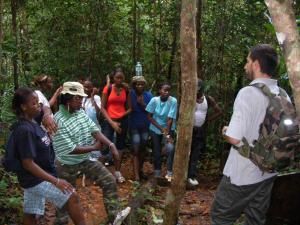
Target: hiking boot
121, 216
193, 182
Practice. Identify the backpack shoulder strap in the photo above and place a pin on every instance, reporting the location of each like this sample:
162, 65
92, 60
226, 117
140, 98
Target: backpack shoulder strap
264, 89
109, 89
282, 92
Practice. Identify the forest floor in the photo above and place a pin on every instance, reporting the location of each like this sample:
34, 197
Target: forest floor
194, 209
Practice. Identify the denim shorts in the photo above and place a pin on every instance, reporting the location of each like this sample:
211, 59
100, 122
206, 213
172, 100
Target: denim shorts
34, 198
139, 136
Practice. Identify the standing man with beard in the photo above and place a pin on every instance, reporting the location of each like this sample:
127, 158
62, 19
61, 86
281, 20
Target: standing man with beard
244, 188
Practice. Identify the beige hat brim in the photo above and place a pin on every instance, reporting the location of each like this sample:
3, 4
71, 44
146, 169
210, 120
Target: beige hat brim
74, 93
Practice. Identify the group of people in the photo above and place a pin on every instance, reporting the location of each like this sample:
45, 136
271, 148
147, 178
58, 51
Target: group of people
55, 149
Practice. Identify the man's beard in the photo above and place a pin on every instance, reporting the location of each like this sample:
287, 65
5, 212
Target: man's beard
249, 75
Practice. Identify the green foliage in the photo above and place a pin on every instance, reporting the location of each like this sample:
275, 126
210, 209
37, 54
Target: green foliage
11, 198
6, 114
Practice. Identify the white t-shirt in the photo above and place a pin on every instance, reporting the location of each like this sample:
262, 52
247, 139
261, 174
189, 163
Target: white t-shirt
90, 109
200, 113
42, 99
248, 113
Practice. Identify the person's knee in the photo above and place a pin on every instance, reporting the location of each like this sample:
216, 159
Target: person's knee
74, 199
169, 148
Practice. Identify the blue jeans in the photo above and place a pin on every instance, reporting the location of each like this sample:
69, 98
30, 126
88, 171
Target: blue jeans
158, 142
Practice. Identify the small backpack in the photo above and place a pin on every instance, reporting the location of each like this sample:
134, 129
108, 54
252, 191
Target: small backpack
279, 139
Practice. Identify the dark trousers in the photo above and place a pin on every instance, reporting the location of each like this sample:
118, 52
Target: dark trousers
108, 131
197, 148
158, 142
232, 200
97, 172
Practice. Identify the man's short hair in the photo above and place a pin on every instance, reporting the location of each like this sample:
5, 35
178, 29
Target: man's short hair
267, 58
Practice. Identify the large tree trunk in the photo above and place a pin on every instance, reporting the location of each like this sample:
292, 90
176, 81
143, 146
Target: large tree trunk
186, 111
14, 32
284, 21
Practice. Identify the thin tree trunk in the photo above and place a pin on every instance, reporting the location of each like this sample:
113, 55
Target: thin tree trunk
186, 111
14, 33
284, 21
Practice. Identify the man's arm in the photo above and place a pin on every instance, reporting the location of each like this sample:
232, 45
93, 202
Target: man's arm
230, 140
217, 111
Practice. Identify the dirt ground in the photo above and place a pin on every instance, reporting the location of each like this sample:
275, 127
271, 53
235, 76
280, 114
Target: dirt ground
194, 209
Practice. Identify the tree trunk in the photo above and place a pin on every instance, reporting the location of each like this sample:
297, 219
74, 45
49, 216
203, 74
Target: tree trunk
186, 111
14, 33
284, 22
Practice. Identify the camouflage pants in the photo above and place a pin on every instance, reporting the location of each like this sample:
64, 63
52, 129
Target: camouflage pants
96, 172
231, 201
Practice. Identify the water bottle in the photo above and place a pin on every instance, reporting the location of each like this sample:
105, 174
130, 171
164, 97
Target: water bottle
138, 69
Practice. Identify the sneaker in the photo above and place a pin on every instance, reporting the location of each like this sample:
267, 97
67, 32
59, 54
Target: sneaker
121, 216
193, 182
119, 177
169, 177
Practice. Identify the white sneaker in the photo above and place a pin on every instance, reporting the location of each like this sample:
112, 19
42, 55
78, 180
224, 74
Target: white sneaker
121, 216
169, 177
193, 182
119, 177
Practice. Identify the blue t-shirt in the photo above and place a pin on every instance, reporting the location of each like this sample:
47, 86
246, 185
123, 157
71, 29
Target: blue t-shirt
32, 142
162, 111
138, 117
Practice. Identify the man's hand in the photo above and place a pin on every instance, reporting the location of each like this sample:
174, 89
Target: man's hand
49, 123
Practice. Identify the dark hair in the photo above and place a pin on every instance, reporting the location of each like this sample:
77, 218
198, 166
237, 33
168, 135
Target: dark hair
267, 58
65, 98
163, 84
91, 81
116, 70
20, 97
41, 79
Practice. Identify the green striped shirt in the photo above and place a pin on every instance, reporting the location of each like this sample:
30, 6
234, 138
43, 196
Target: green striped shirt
74, 129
